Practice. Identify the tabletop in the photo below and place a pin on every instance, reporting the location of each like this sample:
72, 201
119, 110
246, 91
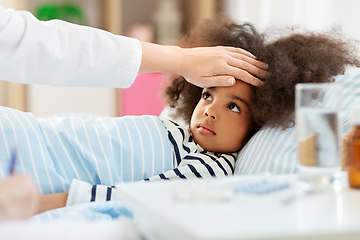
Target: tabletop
236, 208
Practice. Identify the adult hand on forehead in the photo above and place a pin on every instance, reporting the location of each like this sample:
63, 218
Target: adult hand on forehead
220, 66
203, 66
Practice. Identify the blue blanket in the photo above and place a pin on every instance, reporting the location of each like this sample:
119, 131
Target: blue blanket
94, 211
95, 150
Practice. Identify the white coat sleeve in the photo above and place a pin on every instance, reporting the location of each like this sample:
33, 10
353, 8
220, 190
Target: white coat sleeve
64, 54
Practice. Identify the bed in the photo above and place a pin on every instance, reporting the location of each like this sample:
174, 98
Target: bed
270, 150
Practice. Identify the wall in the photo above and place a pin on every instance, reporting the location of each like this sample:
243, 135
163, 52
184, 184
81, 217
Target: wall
144, 97
316, 15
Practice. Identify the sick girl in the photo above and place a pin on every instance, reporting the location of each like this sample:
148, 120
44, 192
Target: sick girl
221, 119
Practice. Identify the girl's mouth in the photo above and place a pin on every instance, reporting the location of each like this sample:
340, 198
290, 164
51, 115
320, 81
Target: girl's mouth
205, 128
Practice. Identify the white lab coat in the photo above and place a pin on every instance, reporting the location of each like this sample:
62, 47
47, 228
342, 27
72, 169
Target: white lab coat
59, 53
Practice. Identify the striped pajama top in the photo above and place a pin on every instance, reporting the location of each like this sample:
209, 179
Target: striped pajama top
189, 161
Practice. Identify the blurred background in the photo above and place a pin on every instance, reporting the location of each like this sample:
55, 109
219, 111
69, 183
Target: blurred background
158, 21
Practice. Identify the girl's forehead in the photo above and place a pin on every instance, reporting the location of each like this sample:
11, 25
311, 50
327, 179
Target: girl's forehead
240, 89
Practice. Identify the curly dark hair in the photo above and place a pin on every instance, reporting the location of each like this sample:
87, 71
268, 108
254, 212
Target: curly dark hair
305, 57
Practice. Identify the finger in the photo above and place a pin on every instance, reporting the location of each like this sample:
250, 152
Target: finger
242, 65
217, 81
244, 76
252, 61
240, 51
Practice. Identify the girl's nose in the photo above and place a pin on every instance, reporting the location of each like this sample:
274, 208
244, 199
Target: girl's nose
209, 112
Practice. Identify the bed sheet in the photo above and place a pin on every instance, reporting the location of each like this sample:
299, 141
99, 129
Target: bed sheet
95, 150
86, 212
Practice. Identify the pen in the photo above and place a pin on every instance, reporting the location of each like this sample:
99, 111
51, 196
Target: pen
13, 159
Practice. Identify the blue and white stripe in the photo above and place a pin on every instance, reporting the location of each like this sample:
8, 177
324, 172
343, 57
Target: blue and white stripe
189, 161
192, 161
94, 150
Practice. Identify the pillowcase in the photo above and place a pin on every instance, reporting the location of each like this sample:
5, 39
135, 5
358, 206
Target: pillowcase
274, 149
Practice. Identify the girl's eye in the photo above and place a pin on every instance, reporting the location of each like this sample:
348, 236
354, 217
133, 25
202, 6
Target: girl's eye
206, 96
233, 107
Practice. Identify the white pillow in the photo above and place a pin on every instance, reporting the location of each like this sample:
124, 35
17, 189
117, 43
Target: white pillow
274, 150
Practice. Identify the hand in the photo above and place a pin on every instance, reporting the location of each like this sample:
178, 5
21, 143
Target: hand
203, 66
220, 66
18, 197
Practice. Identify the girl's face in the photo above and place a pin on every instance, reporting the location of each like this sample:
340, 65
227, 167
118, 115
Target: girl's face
221, 119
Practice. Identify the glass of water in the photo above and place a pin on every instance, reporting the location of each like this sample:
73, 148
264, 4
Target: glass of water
318, 129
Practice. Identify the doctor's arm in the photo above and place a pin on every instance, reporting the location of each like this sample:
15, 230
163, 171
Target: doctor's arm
203, 66
64, 54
